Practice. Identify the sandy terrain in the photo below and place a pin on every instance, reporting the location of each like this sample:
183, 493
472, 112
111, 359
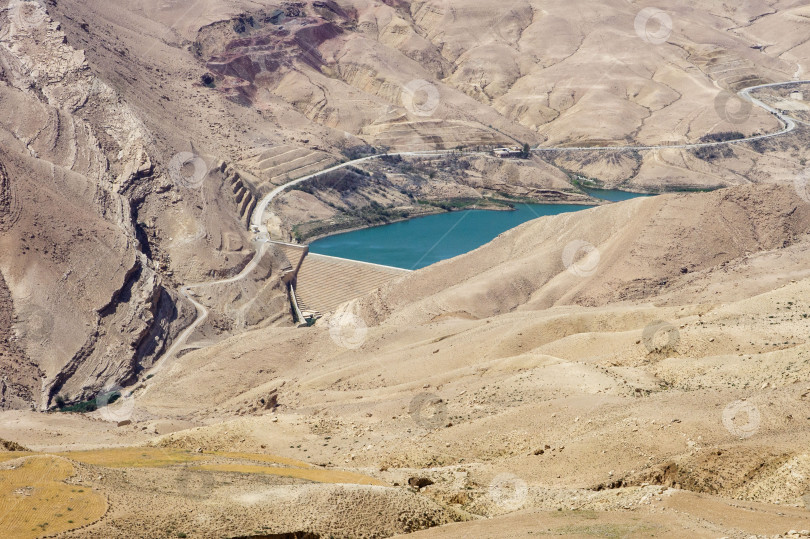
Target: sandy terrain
632, 396
634, 369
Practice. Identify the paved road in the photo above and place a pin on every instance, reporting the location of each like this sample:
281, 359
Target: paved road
262, 242
258, 212
788, 125
202, 311
262, 239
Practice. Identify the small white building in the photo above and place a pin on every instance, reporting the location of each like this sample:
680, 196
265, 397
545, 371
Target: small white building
798, 96
514, 151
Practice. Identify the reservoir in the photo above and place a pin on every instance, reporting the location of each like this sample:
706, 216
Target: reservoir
422, 241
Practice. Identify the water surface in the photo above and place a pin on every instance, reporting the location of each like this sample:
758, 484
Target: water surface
422, 241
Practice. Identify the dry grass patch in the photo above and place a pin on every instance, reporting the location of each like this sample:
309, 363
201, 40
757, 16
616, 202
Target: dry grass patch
310, 474
271, 459
133, 457
11, 455
37, 501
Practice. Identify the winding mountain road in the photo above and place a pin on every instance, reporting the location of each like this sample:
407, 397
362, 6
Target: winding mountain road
202, 311
788, 125
262, 239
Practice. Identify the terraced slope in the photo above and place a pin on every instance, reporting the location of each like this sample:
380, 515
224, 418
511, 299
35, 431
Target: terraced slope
294, 253
242, 193
432, 134
279, 164
324, 282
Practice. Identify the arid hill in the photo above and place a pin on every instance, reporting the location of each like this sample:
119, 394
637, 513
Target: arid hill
567, 384
633, 369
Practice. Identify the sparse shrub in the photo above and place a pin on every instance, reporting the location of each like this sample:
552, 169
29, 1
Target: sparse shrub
357, 152
391, 159
240, 25
710, 153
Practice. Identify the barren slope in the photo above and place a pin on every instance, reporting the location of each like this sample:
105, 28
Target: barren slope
635, 368
555, 388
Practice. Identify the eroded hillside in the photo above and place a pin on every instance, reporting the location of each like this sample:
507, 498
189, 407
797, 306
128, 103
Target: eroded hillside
629, 369
562, 385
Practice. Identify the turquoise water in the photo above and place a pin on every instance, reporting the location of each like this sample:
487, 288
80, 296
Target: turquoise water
422, 241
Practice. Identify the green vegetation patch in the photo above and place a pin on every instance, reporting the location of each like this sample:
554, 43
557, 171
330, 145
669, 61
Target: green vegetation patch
454, 204
90, 405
